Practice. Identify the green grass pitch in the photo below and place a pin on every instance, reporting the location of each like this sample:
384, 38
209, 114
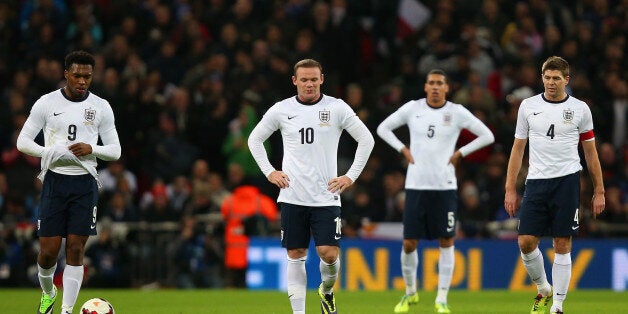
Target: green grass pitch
127, 301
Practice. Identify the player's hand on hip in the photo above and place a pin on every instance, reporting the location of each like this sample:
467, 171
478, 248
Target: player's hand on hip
407, 155
510, 203
279, 178
339, 184
80, 149
455, 158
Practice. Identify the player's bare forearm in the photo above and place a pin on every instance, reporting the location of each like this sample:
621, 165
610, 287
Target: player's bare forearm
514, 165
598, 203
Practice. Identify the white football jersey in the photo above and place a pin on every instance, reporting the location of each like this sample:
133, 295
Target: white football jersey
310, 135
65, 122
553, 131
433, 136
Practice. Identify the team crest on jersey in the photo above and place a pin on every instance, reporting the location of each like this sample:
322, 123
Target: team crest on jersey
325, 117
90, 116
568, 116
447, 118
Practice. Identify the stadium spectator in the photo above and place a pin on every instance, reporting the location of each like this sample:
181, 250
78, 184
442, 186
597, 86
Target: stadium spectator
246, 212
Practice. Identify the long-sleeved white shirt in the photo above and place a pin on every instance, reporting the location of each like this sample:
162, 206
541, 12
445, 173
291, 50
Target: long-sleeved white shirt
433, 136
65, 122
310, 135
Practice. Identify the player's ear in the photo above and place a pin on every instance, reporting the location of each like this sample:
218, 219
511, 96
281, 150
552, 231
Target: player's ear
322, 78
294, 80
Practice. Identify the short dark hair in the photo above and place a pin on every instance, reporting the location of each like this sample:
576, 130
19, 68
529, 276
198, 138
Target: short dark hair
439, 72
556, 63
79, 57
308, 63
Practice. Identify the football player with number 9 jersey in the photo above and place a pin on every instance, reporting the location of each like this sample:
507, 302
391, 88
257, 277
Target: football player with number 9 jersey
72, 119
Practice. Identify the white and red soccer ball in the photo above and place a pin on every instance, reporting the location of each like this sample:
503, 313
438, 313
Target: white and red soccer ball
97, 306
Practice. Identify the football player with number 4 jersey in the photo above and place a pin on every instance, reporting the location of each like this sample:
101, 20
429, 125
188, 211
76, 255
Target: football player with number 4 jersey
554, 123
431, 189
72, 119
310, 124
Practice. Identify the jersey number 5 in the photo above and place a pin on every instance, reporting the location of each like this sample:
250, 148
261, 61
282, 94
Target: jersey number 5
430, 131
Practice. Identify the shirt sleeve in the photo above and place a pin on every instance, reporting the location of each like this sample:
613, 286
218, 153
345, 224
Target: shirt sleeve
358, 130
34, 123
392, 122
586, 124
476, 126
111, 149
522, 129
262, 131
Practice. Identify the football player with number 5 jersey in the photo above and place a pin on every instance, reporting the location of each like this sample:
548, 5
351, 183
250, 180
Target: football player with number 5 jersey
72, 119
431, 189
554, 123
310, 124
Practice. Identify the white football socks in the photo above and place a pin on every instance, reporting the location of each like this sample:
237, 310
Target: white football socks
445, 272
329, 274
72, 280
46, 277
297, 284
409, 265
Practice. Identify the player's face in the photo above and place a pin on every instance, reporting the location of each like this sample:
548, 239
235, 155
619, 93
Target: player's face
308, 82
436, 89
554, 83
78, 77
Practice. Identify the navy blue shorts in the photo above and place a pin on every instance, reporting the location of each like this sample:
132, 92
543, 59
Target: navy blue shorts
298, 222
550, 207
68, 205
430, 214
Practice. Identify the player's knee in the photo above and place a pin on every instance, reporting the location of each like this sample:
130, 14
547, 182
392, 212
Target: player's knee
409, 246
47, 257
527, 244
74, 251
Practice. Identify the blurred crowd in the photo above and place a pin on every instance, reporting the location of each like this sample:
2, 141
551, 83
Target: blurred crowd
188, 80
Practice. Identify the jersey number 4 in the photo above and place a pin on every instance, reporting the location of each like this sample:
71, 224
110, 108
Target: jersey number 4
550, 132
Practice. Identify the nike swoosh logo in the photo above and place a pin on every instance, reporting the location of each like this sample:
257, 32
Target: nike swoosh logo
337, 237
418, 116
290, 118
290, 296
450, 229
560, 294
575, 227
535, 113
56, 114
92, 226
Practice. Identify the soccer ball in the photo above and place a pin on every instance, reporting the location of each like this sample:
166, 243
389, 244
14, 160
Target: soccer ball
97, 306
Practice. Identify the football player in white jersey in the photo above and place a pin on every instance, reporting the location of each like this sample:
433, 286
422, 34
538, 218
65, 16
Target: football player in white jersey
71, 118
310, 124
431, 189
555, 123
